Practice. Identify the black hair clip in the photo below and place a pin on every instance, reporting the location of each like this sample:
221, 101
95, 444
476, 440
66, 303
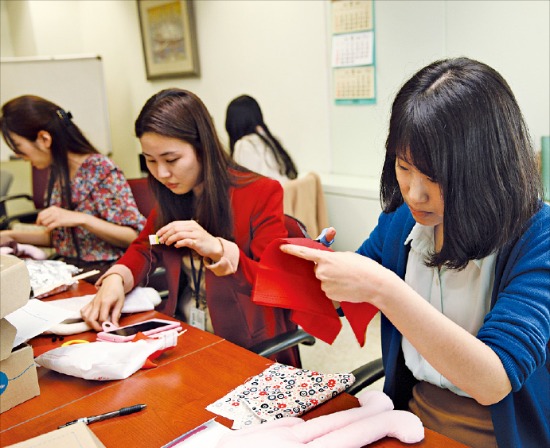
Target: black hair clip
65, 116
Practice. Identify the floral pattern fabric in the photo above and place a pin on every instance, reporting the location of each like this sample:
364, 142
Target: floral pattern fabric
279, 391
100, 189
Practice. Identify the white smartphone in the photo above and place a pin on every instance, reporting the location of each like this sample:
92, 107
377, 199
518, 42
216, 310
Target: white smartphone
129, 332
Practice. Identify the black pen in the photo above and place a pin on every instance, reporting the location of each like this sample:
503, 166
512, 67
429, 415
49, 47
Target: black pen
98, 418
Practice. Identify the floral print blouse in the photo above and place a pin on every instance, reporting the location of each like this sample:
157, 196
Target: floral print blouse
100, 189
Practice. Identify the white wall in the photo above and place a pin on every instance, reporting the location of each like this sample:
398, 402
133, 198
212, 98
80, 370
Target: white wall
409, 34
5, 32
273, 50
512, 36
278, 51
516, 42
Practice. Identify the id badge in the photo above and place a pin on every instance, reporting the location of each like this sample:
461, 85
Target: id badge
197, 318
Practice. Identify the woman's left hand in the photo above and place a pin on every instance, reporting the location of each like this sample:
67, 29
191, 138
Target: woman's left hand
53, 217
190, 234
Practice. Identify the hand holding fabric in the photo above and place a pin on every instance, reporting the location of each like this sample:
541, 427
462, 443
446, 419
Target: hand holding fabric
345, 276
352, 428
286, 279
191, 234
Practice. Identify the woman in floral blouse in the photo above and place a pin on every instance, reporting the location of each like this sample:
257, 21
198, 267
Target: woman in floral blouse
91, 215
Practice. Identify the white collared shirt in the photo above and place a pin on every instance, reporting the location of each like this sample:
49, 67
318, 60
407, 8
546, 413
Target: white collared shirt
463, 296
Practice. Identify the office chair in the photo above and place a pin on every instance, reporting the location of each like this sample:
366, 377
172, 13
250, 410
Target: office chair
365, 375
145, 201
140, 189
143, 195
6, 178
39, 184
304, 199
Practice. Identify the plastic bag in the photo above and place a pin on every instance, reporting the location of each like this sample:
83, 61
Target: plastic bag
104, 361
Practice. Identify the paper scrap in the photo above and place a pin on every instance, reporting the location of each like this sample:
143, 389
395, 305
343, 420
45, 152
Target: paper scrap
34, 318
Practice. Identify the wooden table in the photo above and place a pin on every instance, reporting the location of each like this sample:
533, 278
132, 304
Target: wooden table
189, 377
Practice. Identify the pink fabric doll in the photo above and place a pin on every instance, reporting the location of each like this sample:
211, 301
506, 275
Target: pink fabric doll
22, 250
352, 428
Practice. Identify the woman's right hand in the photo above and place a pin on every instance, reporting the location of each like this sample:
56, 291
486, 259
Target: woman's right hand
348, 276
107, 303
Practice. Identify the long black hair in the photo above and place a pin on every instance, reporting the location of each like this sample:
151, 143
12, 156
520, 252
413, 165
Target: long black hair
26, 116
244, 117
180, 114
458, 122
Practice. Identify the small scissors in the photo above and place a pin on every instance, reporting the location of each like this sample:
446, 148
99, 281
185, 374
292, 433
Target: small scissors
322, 238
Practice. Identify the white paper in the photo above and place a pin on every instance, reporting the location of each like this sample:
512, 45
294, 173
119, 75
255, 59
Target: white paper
34, 318
354, 49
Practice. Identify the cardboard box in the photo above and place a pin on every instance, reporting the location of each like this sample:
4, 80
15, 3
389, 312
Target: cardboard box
15, 284
7, 336
74, 436
18, 378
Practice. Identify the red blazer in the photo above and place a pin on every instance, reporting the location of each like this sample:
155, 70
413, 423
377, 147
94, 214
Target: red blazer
257, 219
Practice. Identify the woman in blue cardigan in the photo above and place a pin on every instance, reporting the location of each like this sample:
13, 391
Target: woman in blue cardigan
459, 263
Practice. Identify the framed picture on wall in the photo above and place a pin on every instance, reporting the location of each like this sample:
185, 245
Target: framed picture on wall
169, 38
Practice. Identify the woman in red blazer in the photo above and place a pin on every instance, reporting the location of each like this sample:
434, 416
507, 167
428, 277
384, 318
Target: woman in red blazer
213, 221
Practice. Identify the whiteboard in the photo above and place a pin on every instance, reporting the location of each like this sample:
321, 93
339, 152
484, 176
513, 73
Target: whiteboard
75, 83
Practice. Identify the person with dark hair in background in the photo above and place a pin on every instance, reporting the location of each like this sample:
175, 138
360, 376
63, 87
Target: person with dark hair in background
459, 263
213, 221
91, 216
251, 143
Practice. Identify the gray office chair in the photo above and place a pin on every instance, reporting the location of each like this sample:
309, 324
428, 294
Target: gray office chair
6, 178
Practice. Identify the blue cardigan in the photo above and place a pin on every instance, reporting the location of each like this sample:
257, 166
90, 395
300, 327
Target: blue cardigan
517, 327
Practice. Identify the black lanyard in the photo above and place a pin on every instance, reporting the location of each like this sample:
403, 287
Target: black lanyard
196, 279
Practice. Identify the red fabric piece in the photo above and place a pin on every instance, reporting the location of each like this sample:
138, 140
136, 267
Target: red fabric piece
149, 364
286, 281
